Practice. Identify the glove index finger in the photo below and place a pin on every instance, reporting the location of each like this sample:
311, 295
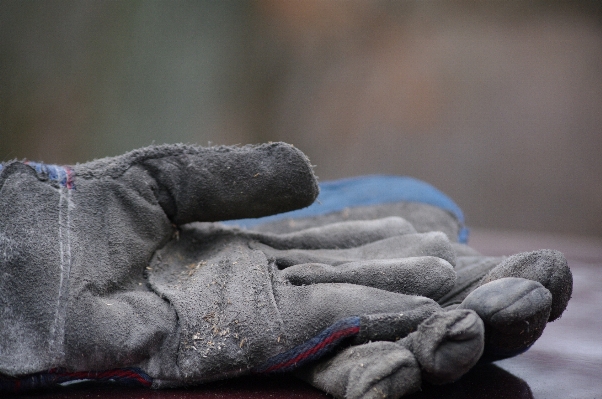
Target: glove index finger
221, 183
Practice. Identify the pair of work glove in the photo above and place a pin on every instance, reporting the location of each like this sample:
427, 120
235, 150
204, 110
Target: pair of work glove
104, 275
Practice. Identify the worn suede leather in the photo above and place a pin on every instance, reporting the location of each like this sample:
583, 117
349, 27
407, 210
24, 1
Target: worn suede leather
103, 265
511, 299
75, 242
237, 309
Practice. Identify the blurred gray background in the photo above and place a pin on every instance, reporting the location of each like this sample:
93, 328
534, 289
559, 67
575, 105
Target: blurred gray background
498, 104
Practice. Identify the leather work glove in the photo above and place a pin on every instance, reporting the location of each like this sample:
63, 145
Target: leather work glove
514, 311
262, 303
513, 296
216, 302
75, 242
284, 300
81, 297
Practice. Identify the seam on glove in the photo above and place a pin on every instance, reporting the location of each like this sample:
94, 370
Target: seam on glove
61, 174
117, 166
313, 349
126, 376
57, 332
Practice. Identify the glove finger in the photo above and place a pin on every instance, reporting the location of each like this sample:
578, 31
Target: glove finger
374, 370
547, 267
425, 276
410, 245
470, 270
464, 250
338, 235
422, 216
307, 310
218, 183
447, 344
389, 326
515, 312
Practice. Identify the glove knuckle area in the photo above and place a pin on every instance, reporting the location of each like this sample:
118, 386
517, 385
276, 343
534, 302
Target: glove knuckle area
374, 370
382, 370
447, 344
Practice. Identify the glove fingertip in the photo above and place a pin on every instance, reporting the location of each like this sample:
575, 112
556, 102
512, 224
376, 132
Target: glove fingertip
548, 267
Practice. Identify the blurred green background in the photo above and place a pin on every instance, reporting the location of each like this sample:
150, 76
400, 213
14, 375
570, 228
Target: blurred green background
497, 103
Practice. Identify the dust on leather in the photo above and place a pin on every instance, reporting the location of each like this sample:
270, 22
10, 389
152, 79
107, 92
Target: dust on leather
222, 292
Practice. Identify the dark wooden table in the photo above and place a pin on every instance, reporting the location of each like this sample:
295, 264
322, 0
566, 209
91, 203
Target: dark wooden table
565, 363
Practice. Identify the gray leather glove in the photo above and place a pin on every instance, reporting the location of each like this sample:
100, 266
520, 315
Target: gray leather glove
515, 297
216, 302
79, 292
259, 302
75, 243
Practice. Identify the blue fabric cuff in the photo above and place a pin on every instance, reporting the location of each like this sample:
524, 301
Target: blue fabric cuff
368, 190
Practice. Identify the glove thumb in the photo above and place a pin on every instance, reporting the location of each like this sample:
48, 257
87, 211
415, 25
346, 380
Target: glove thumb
221, 183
